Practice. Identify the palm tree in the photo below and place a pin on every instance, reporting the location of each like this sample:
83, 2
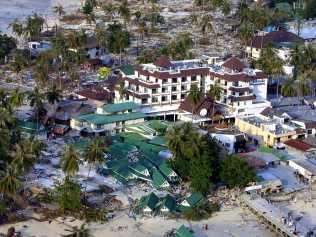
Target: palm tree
9, 184
18, 64
36, 101
76, 231
94, 154
194, 97
206, 24
109, 9
175, 142
122, 91
59, 10
23, 156
53, 95
33, 26
125, 12
17, 28
6, 118
215, 92
70, 161
288, 89
246, 32
16, 98
271, 63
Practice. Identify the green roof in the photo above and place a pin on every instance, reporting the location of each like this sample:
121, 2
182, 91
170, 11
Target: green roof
158, 179
165, 169
194, 199
114, 108
128, 70
30, 126
101, 119
138, 167
183, 232
124, 172
159, 140
169, 202
150, 201
157, 124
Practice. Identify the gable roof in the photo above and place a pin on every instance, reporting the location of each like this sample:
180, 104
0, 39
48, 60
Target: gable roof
234, 63
183, 232
169, 202
120, 107
150, 201
127, 70
274, 38
163, 61
194, 199
205, 103
165, 169
158, 178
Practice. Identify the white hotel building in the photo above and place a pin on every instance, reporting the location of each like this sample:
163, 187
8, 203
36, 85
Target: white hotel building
161, 86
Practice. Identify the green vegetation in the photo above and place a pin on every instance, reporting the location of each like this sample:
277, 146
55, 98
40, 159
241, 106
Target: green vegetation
7, 44
177, 49
195, 157
68, 196
203, 210
235, 172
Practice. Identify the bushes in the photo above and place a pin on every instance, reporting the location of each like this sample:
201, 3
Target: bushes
202, 211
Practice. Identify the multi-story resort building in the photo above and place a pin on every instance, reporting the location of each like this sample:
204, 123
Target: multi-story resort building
161, 86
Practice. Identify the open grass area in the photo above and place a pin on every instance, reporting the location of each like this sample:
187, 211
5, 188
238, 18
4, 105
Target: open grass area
273, 151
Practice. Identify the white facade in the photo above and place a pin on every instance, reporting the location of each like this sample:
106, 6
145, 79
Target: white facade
161, 90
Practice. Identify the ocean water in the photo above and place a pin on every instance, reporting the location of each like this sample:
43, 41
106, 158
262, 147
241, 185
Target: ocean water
20, 9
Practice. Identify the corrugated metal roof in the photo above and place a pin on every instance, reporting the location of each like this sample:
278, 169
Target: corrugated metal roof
101, 119
114, 108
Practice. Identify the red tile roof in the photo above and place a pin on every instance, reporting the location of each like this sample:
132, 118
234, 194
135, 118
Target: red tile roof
167, 75
96, 93
163, 61
205, 103
240, 89
299, 145
149, 85
310, 124
234, 63
274, 37
139, 96
242, 98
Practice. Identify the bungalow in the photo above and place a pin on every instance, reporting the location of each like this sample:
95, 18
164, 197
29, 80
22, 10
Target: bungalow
159, 180
168, 172
148, 204
192, 200
168, 205
183, 232
139, 169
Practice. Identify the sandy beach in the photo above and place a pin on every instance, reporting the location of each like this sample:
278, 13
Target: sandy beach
20, 9
224, 224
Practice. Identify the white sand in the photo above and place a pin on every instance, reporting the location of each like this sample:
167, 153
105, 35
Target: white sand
20, 9
223, 224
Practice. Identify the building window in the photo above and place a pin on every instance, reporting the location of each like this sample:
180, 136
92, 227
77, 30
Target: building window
174, 80
225, 83
309, 131
164, 89
235, 83
164, 98
174, 88
156, 80
183, 88
154, 91
193, 78
183, 79
144, 101
154, 99
164, 81
174, 97
182, 96
289, 137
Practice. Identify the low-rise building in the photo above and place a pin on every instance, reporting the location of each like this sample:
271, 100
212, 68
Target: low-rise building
110, 119
267, 131
96, 96
305, 167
